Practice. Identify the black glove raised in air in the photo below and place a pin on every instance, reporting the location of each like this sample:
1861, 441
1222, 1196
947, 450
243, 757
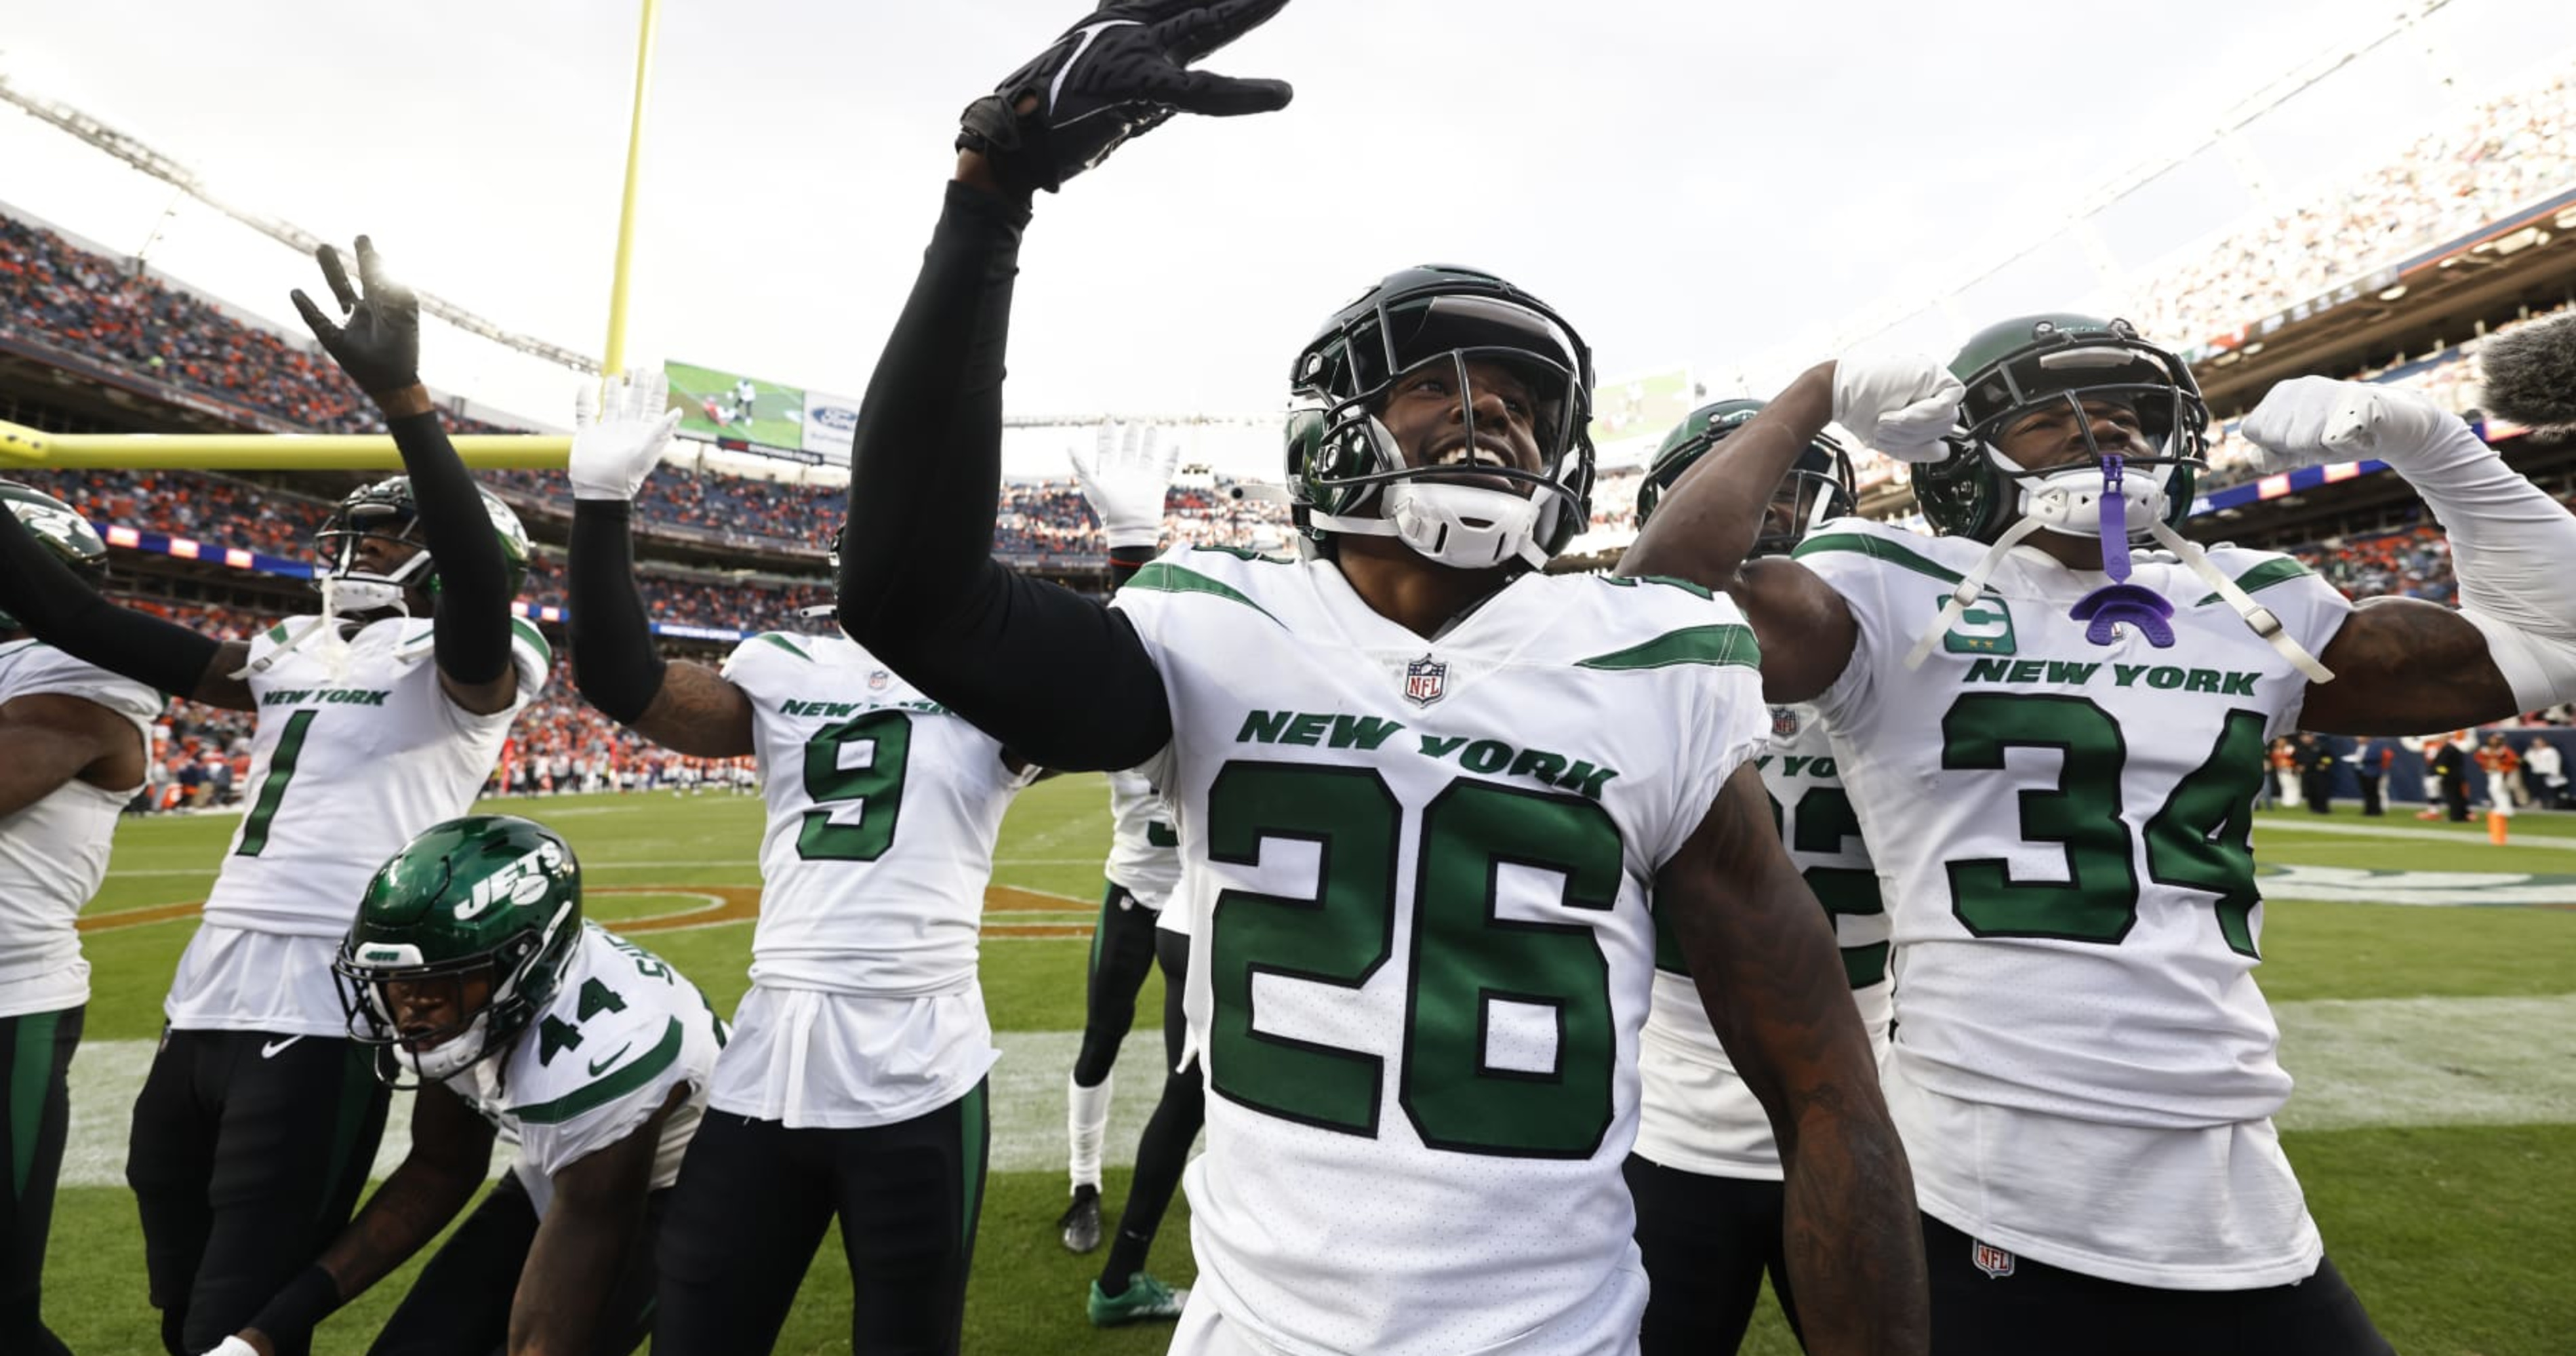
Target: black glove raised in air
1118, 73
379, 345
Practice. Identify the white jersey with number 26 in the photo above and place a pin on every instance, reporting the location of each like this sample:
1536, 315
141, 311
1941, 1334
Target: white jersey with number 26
1417, 876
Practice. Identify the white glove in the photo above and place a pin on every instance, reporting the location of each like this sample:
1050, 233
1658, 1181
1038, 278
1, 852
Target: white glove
1125, 479
1902, 406
620, 434
232, 1346
2307, 420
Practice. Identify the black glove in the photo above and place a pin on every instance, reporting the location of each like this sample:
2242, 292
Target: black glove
1121, 72
379, 347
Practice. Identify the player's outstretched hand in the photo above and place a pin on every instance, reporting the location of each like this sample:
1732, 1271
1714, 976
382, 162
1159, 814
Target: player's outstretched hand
377, 341
2307, 420
1902, 406
1119, 73
620, 434
1125, 479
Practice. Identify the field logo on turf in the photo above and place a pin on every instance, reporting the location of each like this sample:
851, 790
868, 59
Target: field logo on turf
2423, 889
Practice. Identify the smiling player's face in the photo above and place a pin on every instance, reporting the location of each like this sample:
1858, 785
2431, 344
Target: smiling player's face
1427, 415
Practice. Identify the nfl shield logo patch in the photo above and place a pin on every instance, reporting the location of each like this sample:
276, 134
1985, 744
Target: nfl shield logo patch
1993, 1261
1784, 722
1424, 680
877, 681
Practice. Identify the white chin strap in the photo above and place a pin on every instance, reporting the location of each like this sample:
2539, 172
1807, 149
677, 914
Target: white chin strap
347, 595
1465, 527
448, 1058
2070, 500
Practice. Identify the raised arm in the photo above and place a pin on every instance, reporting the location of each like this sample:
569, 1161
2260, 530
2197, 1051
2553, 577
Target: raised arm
1060, 679
1764, 958
2404, 666
620, 437
1711, 516
61, 608
377, 342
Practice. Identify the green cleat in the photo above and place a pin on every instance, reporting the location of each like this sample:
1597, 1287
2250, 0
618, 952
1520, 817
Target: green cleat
1143, 1298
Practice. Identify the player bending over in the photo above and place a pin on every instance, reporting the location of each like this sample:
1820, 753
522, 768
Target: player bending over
471, 969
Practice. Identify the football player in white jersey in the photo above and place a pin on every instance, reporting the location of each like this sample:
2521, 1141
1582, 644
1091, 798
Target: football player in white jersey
2054, 740
1419, 820
1706, 1172
379, 717
854, 1085
80, 742
471, 970
1126, 484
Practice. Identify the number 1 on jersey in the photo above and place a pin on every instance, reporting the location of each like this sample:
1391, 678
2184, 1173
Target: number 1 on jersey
272, 788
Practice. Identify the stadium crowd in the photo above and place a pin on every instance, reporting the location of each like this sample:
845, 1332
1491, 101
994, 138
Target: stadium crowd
55, 293
2505, 153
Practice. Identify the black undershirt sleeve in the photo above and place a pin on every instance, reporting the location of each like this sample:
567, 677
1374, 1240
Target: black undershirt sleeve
1060, 679
60, 608
1125, 561
473, 625
613, 660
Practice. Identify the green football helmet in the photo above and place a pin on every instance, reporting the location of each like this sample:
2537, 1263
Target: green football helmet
387, 510
1817, 488
461, 940
2016, 367
1346, 476
59, 526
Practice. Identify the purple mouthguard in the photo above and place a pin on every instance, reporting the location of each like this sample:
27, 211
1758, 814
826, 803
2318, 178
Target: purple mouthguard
2106, 608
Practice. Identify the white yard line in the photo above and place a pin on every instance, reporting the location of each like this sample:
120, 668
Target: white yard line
2359, 1063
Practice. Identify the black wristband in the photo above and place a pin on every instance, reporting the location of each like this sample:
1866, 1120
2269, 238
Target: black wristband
299, 1307
613, 660
1125, 561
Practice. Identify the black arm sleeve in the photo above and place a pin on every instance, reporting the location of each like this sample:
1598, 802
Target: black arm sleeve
52, 601
1060, 679
473, 643
613, 660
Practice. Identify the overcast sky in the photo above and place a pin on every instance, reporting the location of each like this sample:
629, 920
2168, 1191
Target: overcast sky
1690, 182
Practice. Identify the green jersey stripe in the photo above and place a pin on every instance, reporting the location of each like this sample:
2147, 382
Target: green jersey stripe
1162, 576
536, 640
1876, 548
592, 1096
1717, 643
789, 646
2263, 576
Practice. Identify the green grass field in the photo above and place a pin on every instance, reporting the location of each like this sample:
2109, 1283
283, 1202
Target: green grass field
2434, 1126
777, 414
